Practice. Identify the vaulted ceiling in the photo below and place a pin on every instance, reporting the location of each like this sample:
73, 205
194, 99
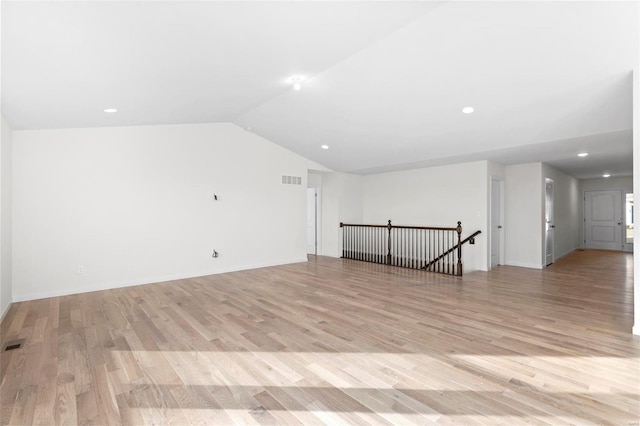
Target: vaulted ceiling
383, 84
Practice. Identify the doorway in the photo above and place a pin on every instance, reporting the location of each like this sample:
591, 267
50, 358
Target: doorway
629, 214
549, 221
496, 236
603, 219
313, 220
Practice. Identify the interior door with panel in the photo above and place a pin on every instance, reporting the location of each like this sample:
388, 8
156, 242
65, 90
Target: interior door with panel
603, 219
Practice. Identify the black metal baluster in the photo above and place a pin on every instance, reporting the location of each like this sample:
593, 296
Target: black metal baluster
355, 242
428, 249
446, 237
380, 246
365, 241
420, 249
449, 245
406, 247
380, 251
441, 268
352, 243
415, 248
366, 244
459, 265
400, 235
375, 244
397, 247
433, 252
411, 248
347, 230
401, 245
439, 251
370, 244
449, 253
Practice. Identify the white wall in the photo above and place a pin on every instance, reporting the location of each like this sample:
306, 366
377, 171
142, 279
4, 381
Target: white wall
135, 205
608, 183
523, 215
5, 218
566, 210
434, 196
636, 184
341, 202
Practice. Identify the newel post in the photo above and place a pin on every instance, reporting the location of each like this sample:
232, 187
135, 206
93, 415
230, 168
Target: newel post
389, 242
459, 267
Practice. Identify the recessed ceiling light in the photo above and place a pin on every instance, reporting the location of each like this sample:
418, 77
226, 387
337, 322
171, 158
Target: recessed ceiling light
297, 82
583, 154
324, 146
467, 110
110, 110
606, 175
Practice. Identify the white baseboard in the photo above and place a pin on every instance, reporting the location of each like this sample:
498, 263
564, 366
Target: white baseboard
4, 313
636, 330
154, 280
524, 265
566, 254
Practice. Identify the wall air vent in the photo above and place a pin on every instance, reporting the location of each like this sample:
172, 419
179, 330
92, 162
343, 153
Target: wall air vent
291, 180
16, 344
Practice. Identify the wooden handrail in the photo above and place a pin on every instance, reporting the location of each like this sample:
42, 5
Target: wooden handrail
470, 239
434, 228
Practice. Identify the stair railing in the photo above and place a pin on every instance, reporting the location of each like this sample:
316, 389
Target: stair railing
434, 249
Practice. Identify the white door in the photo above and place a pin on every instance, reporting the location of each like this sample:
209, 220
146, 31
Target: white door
627, 233
496, 222
549, 221
603, 219
312, 231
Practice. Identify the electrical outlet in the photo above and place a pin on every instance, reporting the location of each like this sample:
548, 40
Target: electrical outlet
80, 269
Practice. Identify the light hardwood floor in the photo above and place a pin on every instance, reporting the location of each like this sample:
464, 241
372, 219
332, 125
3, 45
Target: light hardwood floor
334, 342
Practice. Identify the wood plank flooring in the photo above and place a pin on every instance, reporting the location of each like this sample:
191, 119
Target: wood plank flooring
334, 341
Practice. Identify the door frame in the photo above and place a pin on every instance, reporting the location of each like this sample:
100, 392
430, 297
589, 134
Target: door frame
317, 214
549, 221
626, 247
500, 180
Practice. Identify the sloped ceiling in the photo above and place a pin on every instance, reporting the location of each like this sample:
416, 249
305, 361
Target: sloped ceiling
384, 82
